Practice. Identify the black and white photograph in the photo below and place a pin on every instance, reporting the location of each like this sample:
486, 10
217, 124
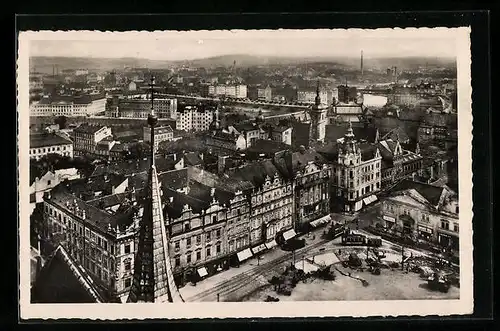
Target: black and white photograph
247, 173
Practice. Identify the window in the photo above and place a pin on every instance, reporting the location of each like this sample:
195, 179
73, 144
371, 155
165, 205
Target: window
177, 245
455, 227
177, 261
127, 264
188, 242
445, 224
198, 255
127, 249
208, 251
214, 219
128, 282
217, 248
217, 233
198, 239
187, 227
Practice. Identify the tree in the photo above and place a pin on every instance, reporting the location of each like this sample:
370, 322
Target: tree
61, 121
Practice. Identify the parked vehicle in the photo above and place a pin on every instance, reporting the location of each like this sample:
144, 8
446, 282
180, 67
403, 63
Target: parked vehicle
351, 237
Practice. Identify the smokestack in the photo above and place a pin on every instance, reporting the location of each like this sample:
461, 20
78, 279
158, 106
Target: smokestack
361, 63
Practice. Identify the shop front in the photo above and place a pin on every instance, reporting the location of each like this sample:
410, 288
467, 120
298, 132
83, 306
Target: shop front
449, 241
408, 225
389, 221
425, 233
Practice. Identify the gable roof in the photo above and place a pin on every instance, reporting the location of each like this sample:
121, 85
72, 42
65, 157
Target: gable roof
430, 192
62, 280
47, 139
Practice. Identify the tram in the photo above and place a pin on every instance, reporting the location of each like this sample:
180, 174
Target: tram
351, 237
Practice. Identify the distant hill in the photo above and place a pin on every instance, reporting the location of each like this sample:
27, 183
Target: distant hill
46, 64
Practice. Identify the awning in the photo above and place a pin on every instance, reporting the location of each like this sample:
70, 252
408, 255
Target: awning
425, 229
271, 244
389, 218
202, 272
244, 255
358, 205
289, 234
258, 248
372, 198
322, 220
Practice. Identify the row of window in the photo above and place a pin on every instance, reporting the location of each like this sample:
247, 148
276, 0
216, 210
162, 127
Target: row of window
208, 237
48, 149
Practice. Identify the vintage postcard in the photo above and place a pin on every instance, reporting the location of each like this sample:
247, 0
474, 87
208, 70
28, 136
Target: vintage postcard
245, 173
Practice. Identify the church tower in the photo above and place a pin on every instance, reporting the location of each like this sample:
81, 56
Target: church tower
349, 152
153, 279
318, 119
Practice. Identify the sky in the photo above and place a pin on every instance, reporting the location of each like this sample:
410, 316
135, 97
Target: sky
172, 45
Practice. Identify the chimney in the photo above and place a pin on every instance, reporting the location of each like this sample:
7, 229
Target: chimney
83, 214
212, 192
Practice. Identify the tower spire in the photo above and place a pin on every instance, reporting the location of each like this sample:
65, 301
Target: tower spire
317, 100
153, 279
152, 120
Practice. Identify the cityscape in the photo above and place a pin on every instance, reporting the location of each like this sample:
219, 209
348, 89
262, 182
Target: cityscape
243, 170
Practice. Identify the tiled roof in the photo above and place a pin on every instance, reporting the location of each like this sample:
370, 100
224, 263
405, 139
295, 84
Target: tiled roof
93, 215
109, 200
174, 179
85, 187
62, 280
397, 134
267, 146
47, 139
367, 151
192, 159
430, 192
301, 159
129, 167
88, 129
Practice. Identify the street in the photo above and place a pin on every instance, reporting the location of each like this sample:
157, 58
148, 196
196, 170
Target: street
246, 282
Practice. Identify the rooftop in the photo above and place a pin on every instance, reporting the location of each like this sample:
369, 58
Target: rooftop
88, 129
47, 139
61, 280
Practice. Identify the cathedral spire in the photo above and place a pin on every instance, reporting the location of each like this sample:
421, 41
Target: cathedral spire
317, 100
153, 279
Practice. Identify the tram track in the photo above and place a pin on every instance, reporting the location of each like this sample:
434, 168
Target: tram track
248, 277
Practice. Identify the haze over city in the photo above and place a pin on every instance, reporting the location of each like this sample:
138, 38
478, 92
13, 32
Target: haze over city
189, 45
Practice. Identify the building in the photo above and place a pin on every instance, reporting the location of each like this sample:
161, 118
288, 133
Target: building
96, 221
69, 106
347, 94
439, 128
318, 119
309, 96
86, 137
397, 163
139, 106
208, 219
48, 181
230, 91
422, 212
272, 199
356, 175
162, 133
346, 112
222, 142
195, 118
311, 188
265, 94
61, 281
404, 96
42, 144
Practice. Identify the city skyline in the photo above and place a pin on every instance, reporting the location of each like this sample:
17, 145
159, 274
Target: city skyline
192, 45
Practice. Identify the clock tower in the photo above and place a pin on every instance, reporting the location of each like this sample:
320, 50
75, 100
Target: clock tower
317, 114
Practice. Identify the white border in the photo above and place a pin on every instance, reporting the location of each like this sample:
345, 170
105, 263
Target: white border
464, 305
